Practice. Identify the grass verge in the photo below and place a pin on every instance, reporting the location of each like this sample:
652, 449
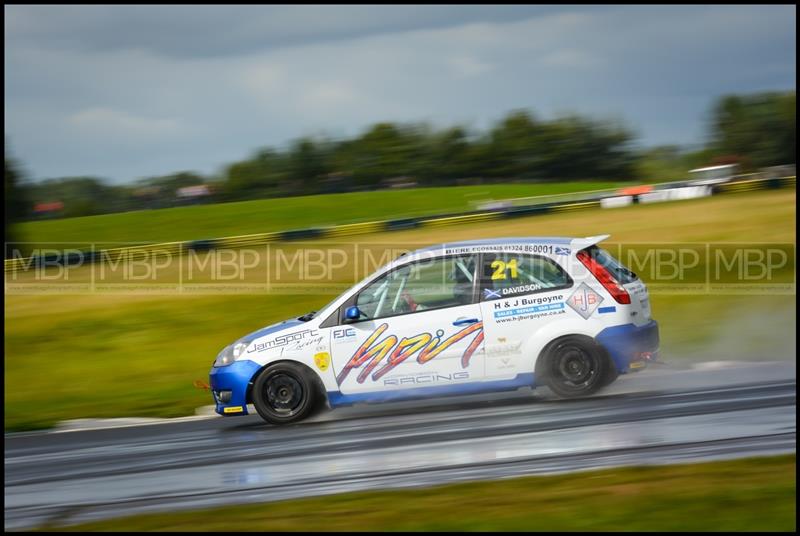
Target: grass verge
756, 494
118, 355
267, 215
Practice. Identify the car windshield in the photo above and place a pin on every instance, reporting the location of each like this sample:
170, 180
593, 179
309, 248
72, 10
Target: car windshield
313, 314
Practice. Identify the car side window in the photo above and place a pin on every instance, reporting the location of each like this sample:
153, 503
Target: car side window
419, 286
514, 274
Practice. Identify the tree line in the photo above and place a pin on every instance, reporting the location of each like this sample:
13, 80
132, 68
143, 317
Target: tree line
755, 130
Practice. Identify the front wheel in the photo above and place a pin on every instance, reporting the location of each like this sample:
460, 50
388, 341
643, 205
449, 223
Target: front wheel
284, 393
574, 367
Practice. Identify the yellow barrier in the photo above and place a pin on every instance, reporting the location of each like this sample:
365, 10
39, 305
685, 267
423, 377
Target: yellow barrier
467, 218
247, 240
575, 206
353, 229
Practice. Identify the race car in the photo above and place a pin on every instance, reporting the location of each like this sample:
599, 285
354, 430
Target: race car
452, 319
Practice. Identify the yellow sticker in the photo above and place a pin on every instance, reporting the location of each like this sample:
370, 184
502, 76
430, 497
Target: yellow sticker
500, 269
322, 360
233, 409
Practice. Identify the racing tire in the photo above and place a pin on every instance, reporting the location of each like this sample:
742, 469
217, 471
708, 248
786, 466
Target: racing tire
284, 393
575, 367
611, 374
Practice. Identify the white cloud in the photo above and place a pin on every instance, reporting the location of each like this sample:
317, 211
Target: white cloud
107, 122
467, 67
328, 93
262, 78
572, 58
126, 112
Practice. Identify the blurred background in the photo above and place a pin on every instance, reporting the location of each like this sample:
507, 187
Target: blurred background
205, 125
114, 109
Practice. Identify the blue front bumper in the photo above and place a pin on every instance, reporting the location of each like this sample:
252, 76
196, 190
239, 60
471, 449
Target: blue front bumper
235, 378
629, 344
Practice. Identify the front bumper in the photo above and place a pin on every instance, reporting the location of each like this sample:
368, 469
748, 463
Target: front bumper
235, 378
631, 347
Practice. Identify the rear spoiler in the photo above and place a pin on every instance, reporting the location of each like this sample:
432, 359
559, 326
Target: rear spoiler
583, 243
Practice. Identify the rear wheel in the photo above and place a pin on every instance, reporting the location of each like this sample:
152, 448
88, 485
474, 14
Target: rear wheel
575, 367
284, 393
611, 373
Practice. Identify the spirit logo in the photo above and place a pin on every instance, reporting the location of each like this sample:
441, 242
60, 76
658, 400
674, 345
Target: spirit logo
395, 352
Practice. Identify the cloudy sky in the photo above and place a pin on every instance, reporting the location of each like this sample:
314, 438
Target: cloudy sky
124, 92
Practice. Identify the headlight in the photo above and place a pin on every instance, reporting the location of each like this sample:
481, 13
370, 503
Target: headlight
230, 354
238, 348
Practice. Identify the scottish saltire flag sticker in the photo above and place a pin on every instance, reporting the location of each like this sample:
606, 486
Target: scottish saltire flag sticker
489, 293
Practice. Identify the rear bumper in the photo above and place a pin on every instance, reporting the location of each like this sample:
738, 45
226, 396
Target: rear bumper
631, 347
236, 379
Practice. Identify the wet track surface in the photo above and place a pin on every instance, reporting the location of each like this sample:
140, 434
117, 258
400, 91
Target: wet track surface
650, 417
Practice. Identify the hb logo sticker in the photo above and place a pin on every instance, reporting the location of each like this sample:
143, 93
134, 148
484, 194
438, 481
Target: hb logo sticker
584, 300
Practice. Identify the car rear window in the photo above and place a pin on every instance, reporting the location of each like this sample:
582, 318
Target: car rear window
621, 273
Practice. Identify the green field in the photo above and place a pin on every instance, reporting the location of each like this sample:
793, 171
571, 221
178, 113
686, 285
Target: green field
267, 215
757, 494
119, 355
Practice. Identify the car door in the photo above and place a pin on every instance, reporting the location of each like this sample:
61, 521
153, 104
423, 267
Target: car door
519, 294
421, 328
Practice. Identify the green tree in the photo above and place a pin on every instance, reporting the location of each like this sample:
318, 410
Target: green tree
515, 148
667, 163
568, 148
449, 158
17, 204
759, 128
173, 182
307, 165
383, 152
264, 175
82, 196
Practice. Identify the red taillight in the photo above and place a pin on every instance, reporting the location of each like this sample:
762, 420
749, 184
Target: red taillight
616, 290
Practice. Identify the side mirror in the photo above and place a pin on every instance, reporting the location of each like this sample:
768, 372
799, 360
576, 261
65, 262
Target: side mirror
353, 313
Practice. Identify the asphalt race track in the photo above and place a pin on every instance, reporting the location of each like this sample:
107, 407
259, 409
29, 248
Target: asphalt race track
655, 416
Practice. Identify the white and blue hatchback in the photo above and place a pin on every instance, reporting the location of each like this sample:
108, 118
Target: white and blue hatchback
460, 318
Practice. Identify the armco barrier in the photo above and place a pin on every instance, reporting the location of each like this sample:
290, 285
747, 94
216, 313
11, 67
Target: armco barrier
399, 225
575, 206
355, 228
173, 248
247, 240
755, 184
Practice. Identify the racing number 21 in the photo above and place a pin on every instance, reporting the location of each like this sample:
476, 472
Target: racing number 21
500, 268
